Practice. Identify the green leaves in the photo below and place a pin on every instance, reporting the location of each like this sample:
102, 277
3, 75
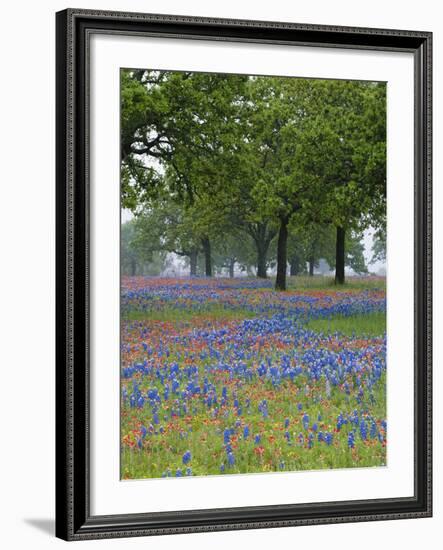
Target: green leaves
228, 151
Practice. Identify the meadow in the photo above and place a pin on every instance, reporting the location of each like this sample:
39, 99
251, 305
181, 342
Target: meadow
225, 376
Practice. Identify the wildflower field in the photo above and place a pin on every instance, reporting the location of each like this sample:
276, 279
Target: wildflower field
226, 376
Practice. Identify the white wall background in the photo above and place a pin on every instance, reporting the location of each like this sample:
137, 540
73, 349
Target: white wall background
27, 272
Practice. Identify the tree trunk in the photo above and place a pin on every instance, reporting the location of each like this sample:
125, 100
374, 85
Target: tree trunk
193, 256
231, 267
207, 252
294, 266
280, 281
261, 261
340, 256
262, 236
311, 267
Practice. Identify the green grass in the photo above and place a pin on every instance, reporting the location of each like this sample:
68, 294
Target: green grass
201, 432
206, 440
360, 325
174, 315
323, 282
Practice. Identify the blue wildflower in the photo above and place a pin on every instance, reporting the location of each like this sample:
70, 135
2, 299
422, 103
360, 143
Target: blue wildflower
186, 457
351, 440
363, 430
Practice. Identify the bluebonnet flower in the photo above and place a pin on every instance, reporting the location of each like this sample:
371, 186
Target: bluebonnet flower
263, 408
152, 393
214, 361
363, 430
340, 421
178, 473
231, 459
354, 417
351, 440
186, 457
305, 421
222, 468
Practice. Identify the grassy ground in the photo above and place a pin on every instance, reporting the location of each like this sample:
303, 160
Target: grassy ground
303, 282
274, 452
174, 315
162, 334
358, 325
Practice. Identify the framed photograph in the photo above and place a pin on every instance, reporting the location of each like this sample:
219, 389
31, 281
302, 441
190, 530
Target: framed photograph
243, 274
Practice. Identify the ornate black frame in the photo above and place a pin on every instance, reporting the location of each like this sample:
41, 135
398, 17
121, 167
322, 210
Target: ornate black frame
74, 521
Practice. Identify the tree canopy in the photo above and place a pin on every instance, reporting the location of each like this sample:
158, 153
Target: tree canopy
253, 171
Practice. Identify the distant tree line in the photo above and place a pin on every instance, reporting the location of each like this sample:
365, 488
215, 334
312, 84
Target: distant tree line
235, 171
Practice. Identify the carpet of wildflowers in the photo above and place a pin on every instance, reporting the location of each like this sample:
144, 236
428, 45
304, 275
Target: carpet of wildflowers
223, 376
